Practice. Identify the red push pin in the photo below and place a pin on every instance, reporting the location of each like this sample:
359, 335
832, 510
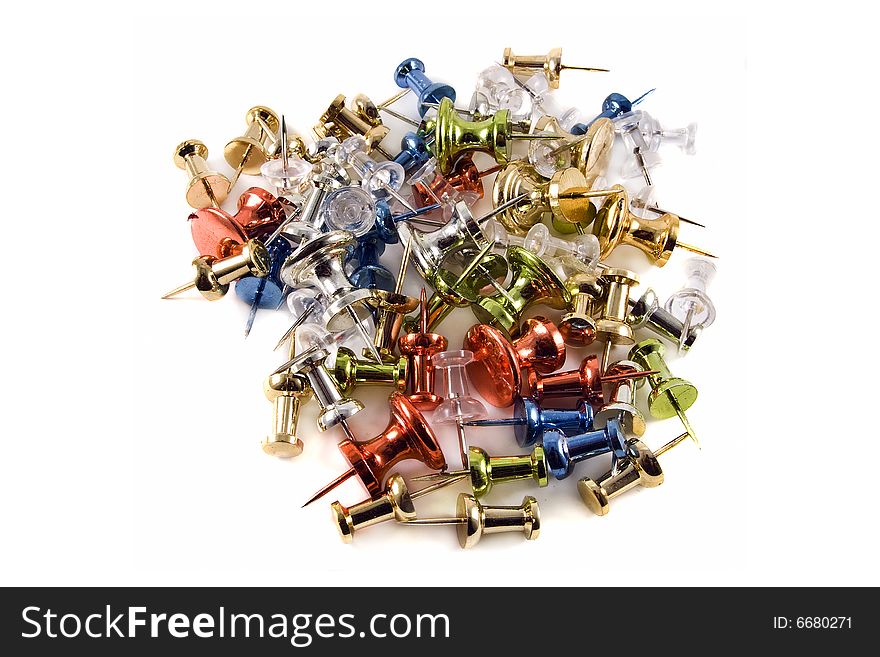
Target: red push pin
215, 231
582, 383
407, 436
499, 364
418, 348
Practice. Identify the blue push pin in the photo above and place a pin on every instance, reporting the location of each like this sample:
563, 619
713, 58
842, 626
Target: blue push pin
530, 421
370, 273
563, 451
413, 152
411, 73
386, 223
266, 293
613, 106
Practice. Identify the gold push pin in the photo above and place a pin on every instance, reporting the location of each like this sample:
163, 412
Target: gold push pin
590, 153
474, 519
250, 151
395, 503
550, 64
350, 371
615, 224
213, 275
286, 391
641, 468
670, 395
341, 122
611, 326
485, 471
205, 187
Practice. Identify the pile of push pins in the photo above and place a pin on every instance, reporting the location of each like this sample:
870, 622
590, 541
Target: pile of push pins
315, 244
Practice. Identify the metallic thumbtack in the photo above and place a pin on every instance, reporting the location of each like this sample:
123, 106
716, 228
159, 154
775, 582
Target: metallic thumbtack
464, 178
340, 122
615, 224
419, 348
454, 136
613, 106
621, 401
388, 322
563, 452
475, 519
692, 304
530, 421
498, 363
370, 273
485, 471
350, 371
647, 313
205, 187
309, 222
582, 383
611, 326
213, 275
640, 468
413, 152
458, 405
246, 154
669, 395
577, 326
395, 503
410, 73
407, 436
266, 292
550, 64
286, 391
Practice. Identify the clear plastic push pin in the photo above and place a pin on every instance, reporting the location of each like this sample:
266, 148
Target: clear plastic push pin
543, 103
692, 304
656, 135
381, 179
642, 160
498, 89
458, 405
286, 173
351, 209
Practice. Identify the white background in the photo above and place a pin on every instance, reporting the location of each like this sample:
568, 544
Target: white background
131, 450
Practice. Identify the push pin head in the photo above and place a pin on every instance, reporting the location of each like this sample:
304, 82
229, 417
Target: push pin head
641, 468
496, 370
340, 122
692, 304
213, 275
206, 188
420, 347
669, 394
621, 401
246, 154
215, 231
410, 73
563, 452
286, 391
646, 312
551, 65
395, 502
577, 326
530, 420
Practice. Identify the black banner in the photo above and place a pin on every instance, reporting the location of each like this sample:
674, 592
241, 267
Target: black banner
278, 621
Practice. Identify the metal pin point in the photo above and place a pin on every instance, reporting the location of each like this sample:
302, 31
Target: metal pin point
393, 99
296, 324
400, 117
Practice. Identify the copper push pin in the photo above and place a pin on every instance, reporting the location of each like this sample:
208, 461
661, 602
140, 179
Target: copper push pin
395, 503
475, 519
550, 64
419, 348
670, 395
407, 436
582, 383
496, 370
640, 468
485, 471
206, 187
465, 178
213, 275
215, 231
250, 151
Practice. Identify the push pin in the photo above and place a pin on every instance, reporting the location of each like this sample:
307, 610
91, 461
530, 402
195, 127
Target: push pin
590, 153
246, 154
611, 326
643, 160
289, 171
309, 222
577, 326
433, 187
563, 452
410, 73
340, 122
413, 152
566, 195
349, 208
485, 471
206, 187
644, 200
407, 436
420, 348
533, 282
615, 224
465, 178
641, 468
266, 292
388, 322
615, 105
475, 519
216, 232
530, 421
669, 395
395, 503
458, 405
454, 136
380, 179
498, 363
583, 383
621, 400
287, 391
319, 263
647, 313
550, 64
350, 371
497, 89
370, 273
336, 408
656, 135
213, 275
691, 304
544, 107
